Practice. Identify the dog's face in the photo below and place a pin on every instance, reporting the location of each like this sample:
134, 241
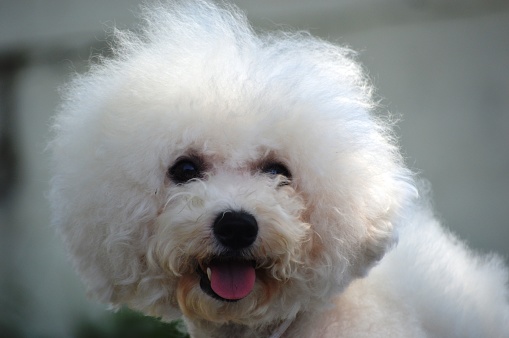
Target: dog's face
231, 233
237, 184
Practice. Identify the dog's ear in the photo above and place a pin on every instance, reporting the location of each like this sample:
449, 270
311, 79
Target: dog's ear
356, 217
100, 236
380, 236
382, 231
103, 208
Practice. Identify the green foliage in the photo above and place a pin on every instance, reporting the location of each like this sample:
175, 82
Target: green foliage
130, 324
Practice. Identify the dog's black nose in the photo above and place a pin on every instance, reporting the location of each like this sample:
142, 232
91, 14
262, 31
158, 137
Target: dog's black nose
235, 229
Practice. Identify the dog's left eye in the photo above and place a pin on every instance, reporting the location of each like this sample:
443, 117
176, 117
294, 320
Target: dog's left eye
185, 170
275, 169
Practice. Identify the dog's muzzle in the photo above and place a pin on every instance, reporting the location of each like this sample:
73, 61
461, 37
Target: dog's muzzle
230, 276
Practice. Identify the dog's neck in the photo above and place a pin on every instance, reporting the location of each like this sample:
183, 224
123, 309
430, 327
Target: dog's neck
206, 329
281, 329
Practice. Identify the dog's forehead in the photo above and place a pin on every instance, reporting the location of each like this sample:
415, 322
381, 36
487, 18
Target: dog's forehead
224, 132
235, 149
244, 138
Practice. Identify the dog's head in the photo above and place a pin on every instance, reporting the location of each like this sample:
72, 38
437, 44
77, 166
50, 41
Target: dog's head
229, 176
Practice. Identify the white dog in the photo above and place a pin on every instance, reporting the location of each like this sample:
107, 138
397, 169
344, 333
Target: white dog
242, 181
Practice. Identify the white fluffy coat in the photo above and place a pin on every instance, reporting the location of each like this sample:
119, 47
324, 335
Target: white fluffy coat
198, 81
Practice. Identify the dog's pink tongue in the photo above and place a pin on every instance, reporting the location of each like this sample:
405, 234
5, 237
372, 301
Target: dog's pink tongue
232, 280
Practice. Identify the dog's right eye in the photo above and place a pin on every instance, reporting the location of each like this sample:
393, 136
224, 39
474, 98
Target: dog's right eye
185, 170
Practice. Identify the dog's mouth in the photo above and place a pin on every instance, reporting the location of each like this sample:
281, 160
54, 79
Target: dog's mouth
228, 280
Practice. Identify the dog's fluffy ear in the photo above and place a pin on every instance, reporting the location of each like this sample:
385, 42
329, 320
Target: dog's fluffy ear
382, 231
355, 236
360, 194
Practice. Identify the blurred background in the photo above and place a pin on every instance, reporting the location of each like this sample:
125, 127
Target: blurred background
442, 65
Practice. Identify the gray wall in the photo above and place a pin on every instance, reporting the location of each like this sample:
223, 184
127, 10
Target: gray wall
443, 65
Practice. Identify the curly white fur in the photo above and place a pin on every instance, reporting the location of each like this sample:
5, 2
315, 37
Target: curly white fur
199, 82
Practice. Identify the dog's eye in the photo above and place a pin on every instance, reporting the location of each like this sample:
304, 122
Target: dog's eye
185, 170
275, 169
